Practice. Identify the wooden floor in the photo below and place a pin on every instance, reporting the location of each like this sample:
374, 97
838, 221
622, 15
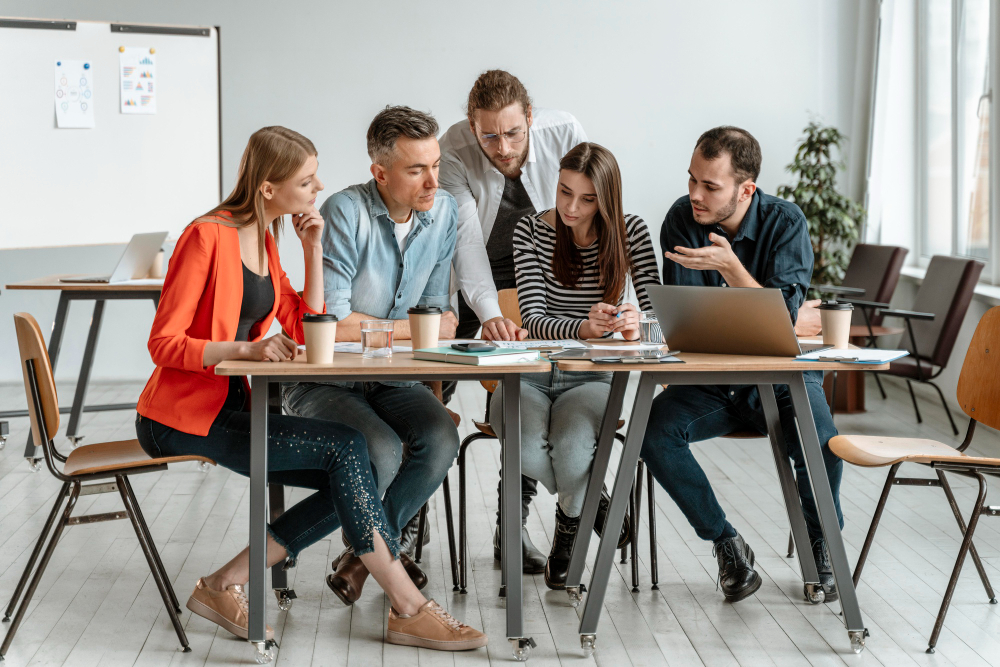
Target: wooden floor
97, 603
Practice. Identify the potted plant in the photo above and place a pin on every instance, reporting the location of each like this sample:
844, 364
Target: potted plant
834, 219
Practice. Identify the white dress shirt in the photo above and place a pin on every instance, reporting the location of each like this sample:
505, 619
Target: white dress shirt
478, 188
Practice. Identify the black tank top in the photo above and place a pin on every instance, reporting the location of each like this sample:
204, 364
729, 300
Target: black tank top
258, 299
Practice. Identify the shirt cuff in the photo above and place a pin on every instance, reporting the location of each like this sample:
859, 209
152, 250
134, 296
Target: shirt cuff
487, 309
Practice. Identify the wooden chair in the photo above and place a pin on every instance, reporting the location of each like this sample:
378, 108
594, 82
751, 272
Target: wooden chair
510, 308
114, 461
979, 397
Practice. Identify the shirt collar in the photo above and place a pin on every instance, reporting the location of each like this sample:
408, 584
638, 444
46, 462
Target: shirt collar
379, 209
750, 227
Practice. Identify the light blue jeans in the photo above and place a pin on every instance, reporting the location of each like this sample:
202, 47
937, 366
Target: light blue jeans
560, 418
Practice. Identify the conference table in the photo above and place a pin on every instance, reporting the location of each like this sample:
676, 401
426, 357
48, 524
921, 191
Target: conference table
712, 369
99, 293
347, 367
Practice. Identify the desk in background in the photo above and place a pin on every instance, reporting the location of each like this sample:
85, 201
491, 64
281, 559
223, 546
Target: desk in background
98, 293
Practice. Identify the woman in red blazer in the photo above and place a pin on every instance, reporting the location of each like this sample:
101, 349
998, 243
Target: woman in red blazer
223, 289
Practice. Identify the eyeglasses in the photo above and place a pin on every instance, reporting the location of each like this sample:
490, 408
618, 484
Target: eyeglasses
513, 137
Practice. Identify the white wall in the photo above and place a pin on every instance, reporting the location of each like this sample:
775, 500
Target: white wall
644, 78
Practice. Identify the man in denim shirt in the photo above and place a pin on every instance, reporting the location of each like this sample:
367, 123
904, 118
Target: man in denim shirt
387, 246
729, 233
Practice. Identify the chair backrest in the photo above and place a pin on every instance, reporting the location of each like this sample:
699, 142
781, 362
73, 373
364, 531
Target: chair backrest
510, 307
31, 345
947, 292
979, 383
875, 269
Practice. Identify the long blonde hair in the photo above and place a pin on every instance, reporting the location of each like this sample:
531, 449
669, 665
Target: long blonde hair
273, 154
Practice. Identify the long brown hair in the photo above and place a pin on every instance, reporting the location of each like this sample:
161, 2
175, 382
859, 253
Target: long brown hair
598, 164
273, 154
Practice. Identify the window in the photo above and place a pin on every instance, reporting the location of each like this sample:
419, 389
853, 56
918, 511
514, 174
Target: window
954, 65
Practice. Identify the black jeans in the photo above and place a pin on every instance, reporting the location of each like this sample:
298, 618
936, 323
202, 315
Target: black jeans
468, 326
310, 453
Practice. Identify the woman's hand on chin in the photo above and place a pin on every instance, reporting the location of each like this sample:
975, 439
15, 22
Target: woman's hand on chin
309, 228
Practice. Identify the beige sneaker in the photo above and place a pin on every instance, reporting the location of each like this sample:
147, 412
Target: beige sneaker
228, 608
432, 627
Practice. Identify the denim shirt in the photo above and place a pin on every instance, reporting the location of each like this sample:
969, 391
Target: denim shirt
363, 268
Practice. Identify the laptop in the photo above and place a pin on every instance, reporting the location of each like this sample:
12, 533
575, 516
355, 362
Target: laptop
726, 320
134, 263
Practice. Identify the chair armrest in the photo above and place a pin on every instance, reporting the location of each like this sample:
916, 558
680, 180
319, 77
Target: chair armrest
867, 304
836, 289
908, 314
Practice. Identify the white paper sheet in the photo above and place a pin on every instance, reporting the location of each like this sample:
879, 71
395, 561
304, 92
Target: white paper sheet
649, 346
536, 344
74, 94
137, 80
865, 355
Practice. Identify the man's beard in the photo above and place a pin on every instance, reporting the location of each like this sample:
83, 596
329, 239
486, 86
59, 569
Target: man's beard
513, 169
726, 212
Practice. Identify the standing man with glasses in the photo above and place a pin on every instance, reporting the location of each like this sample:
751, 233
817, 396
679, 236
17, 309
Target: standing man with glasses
500, 164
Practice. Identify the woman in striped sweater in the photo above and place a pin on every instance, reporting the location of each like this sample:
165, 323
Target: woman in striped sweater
572, 265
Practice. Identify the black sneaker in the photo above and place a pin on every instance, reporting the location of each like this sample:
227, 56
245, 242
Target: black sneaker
737, 577
822, 557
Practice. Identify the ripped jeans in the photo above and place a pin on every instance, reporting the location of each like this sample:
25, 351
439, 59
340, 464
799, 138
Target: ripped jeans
309, 453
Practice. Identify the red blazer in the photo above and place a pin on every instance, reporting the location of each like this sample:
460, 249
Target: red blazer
201, 300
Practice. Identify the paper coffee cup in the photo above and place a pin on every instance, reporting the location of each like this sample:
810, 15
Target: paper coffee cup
835, 318
425, 323
321, 334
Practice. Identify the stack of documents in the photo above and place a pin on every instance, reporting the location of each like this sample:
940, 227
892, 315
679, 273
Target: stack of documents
494, 358
860, 355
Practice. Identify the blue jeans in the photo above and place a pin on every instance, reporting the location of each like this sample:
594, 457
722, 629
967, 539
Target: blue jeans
389, 417
330, 458
561, 416
685, 414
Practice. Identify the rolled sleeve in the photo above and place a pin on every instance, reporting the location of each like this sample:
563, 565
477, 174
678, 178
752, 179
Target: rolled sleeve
340, 253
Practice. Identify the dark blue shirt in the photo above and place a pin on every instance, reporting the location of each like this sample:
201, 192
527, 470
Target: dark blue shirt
772, 243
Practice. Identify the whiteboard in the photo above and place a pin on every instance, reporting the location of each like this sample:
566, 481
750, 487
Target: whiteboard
130, 173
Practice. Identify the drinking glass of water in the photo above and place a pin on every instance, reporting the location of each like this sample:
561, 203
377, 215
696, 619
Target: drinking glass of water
376, 339
649, 329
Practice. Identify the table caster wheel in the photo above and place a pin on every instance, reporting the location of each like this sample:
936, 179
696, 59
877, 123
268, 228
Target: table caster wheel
588, 644
35, 464
264, 653
857, 639
3, 442
575, 595
814, 593
285, 597
204, 466
521, 648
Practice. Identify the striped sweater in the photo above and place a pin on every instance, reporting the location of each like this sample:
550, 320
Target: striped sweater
552, 311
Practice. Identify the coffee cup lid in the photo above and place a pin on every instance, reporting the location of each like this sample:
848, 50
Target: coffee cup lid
322, 317
424, 310
833, 304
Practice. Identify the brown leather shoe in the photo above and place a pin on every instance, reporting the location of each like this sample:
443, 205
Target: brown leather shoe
432, 627
417, 575
348, 578
227, 608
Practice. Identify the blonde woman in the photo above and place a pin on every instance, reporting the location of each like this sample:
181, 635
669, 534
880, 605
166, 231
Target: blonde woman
223, 289
572, 264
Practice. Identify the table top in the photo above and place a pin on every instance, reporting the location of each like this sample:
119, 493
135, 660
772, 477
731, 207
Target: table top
53, 283
695, 362
401, 363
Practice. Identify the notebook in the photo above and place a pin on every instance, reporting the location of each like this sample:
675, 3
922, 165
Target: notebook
494, 358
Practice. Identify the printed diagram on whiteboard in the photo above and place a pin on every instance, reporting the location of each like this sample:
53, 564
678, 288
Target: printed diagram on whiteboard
137, 77
74, 94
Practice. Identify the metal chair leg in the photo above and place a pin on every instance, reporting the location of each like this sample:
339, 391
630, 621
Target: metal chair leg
631, 509
977, 512
152, 546
37, 550
421, 524
881, 389
875, 519
913, 397
791, 545
463, 541
634, 532
972, 547
53, 541
148, 550
654, 569
446, 487
833, 396
944, 404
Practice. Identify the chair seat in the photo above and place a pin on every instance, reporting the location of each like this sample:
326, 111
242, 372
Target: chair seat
877, 450
454, 417
907, 367
120, 455
486, 429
